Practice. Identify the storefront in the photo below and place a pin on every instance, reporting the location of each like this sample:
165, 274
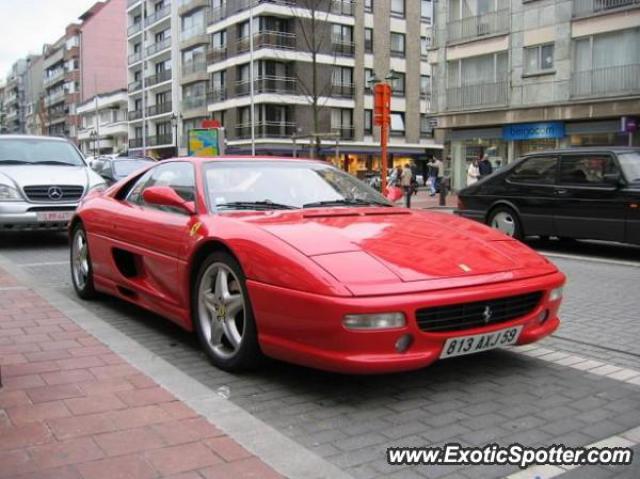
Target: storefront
504, 144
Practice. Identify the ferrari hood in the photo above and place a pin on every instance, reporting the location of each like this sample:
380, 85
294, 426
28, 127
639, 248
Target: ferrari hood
358, 245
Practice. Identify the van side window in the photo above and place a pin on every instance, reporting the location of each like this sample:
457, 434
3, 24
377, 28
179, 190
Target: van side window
539, 169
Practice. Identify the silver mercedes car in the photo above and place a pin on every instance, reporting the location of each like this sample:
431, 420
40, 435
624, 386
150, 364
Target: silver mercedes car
42, 180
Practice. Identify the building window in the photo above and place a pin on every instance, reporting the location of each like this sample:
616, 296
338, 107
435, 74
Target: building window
368, 40
368, 6
397, 123
397, 44
398, 8
425, 86
398, 85
425, 11
219, 39
425, 43
368, 76
425, 126
368, 122
342, 122
538, 59
480, 70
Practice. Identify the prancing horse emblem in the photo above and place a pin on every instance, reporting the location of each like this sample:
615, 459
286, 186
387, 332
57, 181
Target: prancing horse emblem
486, 314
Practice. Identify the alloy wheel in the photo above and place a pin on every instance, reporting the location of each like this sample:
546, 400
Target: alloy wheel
80, 259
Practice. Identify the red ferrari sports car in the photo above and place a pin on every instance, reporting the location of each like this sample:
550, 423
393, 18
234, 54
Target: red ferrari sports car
300, 261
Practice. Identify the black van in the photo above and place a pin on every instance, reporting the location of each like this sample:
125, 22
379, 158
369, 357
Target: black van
581, 193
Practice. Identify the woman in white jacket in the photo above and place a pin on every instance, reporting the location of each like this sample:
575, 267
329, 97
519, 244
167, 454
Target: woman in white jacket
473, 172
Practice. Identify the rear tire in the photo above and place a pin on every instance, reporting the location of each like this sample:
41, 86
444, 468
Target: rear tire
222, 314
81, 268
507, 221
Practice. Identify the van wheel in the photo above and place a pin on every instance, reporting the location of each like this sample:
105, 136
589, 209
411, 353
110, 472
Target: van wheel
506, 220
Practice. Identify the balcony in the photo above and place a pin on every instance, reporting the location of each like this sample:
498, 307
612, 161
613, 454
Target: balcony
159, 109
54, 77
266, 129
135, 58
160, 140
342, 7
268, 39
582, 8
159, 77
267, 84
133, 29
159, 15
478, 96
191, 68
469, 28
192, 102
216, 54
345, 132
54, 97
186, 6
618, 80
232, 7
217, 94
135, 143
134, 115
135, 86
343, 47
345, 90
159, 46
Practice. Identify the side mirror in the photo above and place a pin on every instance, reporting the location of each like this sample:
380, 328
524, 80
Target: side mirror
165, 196
613, 179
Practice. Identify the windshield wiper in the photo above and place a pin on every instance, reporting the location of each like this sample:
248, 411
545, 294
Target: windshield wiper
346, 202
255, 205
54, 162
14, 162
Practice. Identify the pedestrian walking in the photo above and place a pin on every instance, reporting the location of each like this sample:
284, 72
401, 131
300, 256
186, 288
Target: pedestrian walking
484, 165
473, 172
438, 171
405, 182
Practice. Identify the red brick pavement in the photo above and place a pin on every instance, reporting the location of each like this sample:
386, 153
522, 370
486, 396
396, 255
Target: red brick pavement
70, 408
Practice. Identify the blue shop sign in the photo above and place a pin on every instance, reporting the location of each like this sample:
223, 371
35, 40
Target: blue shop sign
533, 131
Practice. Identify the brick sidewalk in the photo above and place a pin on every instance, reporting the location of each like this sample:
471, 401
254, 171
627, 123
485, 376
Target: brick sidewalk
70, 408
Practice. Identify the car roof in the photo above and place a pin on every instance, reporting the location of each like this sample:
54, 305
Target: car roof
246, 158
33, 137
586, 149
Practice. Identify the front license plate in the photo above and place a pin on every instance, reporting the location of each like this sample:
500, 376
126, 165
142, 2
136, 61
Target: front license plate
54, 216
479, 342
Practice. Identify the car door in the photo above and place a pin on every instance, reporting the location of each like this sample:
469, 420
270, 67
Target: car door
530, 186
153, 239
589, 206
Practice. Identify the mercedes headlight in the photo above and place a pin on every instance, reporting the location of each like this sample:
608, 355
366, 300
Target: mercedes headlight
9, 193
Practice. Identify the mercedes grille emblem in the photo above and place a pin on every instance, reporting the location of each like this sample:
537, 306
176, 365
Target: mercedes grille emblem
486, 315
55, 193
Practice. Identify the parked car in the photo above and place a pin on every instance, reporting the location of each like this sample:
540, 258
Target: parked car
303, 262
114, 169
42, 180
577, 193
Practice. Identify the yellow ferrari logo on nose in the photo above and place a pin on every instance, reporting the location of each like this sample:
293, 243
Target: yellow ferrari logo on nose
195, 228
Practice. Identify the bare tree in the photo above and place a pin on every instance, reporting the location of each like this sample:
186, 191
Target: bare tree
312, 19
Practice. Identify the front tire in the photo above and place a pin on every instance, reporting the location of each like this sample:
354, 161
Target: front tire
222, 314
80, 260
506, 220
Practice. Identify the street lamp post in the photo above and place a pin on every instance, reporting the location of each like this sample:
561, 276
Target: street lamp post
93, 136
382, 109
174, 123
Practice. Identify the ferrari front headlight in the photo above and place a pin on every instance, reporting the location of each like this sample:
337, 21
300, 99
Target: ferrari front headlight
556, 294
374, 321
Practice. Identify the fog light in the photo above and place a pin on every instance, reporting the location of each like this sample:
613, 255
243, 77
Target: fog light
543, 316
403, 343
556, 294
374, 321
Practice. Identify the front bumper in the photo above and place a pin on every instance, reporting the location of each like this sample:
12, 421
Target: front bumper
307, 329
23, 216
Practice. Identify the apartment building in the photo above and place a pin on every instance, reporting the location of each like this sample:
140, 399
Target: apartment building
514, 76
14, 98
2, 109
61, 73
153, 54
353, 41
103, 124
34, 90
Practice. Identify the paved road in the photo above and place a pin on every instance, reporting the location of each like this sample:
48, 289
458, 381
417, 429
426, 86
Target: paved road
502, 396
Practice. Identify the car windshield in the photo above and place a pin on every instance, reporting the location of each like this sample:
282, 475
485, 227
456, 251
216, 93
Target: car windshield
123, 168
284, 184
630, 163
32, 151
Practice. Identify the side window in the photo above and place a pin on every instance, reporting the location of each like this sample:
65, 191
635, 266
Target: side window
177, 175
586, 169
540, 169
